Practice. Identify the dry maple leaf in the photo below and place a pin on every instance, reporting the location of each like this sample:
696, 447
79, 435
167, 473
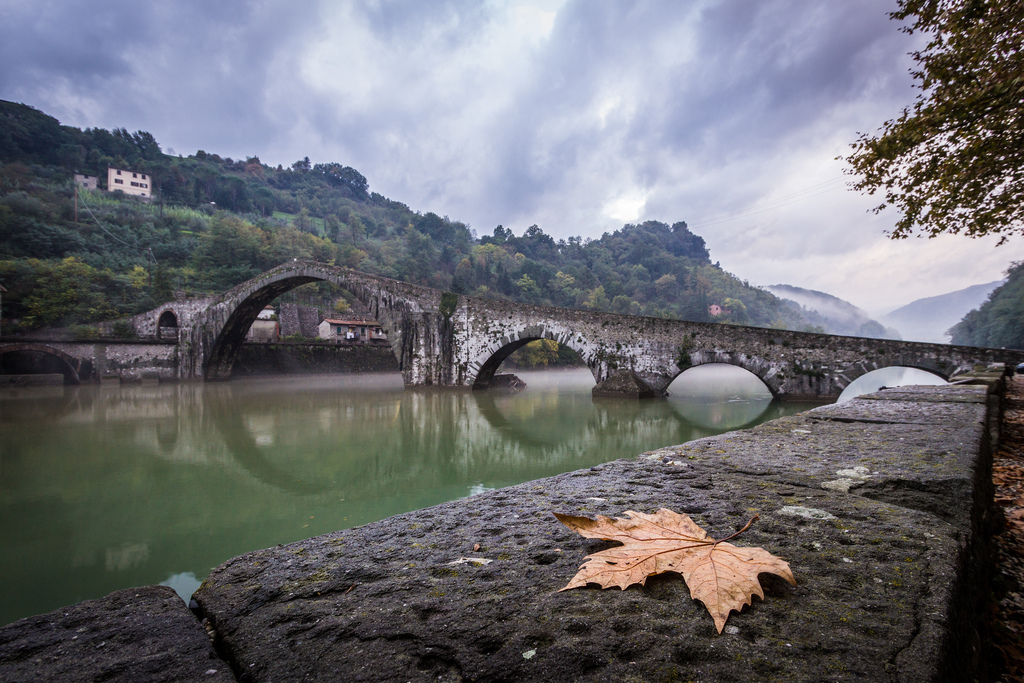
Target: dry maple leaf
719, 574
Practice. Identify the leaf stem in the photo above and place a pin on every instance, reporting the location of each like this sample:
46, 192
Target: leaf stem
746, 526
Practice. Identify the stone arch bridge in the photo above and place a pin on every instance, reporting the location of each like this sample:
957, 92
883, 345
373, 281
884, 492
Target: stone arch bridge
448, 340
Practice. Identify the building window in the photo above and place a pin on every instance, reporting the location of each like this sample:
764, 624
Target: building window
143, 176
118, 173
134, 184
118, 181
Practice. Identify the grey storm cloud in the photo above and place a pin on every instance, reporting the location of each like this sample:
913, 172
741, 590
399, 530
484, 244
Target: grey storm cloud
577, 115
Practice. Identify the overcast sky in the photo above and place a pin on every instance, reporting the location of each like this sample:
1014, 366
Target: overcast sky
575, 115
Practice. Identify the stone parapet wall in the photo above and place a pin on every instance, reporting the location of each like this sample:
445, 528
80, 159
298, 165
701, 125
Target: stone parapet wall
882, 507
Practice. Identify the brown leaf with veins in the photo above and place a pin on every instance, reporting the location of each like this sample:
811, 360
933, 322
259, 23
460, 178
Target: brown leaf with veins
719, 574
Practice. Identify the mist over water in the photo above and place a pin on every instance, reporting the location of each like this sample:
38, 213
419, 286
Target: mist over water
106, 487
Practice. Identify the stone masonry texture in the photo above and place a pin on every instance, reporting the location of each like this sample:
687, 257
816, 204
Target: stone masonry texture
136, 635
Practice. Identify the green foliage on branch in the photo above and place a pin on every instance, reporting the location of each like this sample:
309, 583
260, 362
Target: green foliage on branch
954, 161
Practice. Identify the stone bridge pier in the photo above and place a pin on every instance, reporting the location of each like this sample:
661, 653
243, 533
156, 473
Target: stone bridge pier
448, 340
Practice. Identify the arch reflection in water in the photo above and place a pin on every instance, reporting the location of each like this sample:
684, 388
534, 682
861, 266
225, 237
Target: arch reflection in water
896, 376
196, 474
720, 396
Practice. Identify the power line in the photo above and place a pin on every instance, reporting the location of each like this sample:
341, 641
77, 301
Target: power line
777, 203
82, 196
112, 235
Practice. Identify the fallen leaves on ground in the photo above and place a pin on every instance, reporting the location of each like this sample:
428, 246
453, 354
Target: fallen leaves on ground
1008, 598
719, 574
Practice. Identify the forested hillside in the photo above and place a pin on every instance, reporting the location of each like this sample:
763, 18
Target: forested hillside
999, 322
215, 222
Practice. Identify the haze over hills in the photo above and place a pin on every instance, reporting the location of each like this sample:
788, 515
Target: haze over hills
930, 318
833, 314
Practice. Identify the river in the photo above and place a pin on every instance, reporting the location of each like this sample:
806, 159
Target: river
106, 487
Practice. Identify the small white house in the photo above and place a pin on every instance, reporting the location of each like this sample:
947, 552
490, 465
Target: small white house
351, 330
129, 182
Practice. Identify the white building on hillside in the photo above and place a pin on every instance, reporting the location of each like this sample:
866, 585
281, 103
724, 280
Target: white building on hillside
129, 182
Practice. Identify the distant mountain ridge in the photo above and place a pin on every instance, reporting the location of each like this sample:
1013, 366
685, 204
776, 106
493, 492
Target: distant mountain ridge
929, 319
833, 314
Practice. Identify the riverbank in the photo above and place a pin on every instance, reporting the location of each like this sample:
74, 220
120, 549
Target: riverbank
881, 505
1008, 593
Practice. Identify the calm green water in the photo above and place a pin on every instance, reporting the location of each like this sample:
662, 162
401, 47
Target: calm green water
104, 488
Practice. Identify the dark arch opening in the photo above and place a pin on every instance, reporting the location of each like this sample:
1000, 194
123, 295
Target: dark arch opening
38, 359
494, 362
169, 321
225, 348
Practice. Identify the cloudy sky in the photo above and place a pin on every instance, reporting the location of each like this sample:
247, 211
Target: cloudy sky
576, 115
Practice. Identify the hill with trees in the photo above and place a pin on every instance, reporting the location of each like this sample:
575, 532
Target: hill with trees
999, 322
73, 256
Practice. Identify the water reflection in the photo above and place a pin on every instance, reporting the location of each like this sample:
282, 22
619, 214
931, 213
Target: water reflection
107, 487
718, 396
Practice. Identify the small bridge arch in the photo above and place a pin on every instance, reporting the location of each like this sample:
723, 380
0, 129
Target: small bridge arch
942, 370
167, 323
70, 365
487, 362
759, 367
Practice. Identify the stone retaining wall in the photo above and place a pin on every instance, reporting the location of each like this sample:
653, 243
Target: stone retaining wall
297, 358
882, 506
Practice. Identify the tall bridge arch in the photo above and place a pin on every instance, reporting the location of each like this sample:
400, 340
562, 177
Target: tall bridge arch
216, 333
445, 339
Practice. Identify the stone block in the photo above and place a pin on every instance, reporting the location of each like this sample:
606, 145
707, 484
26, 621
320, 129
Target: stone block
136, 635
626, 384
